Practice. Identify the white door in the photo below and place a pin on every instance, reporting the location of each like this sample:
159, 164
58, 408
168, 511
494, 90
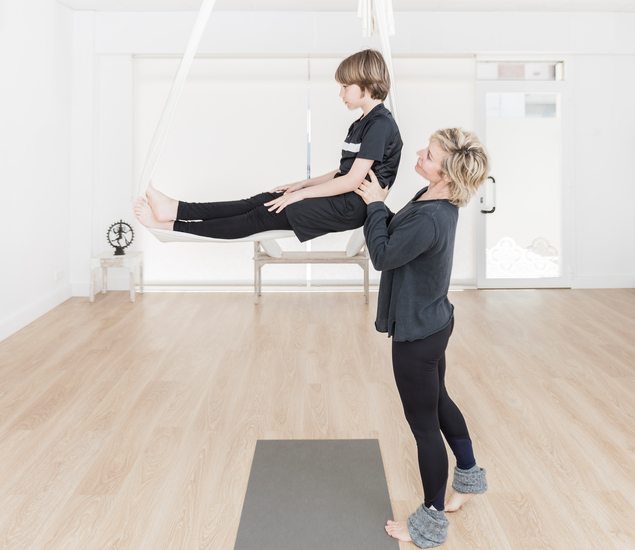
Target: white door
523, 208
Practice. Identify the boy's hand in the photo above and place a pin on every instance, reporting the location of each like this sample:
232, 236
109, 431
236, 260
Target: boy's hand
371, 191
288, 188
285, 200
281, 188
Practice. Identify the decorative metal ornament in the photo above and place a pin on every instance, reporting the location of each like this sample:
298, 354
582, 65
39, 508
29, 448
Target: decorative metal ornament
120, 235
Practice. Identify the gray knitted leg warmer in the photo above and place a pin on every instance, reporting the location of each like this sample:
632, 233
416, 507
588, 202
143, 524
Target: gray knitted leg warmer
428, 527
471, 481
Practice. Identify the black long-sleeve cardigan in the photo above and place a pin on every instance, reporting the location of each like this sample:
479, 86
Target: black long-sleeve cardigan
413, 249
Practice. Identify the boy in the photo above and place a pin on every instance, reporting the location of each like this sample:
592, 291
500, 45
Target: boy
311, 207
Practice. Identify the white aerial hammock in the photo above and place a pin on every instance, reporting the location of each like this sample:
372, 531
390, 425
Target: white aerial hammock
376, 17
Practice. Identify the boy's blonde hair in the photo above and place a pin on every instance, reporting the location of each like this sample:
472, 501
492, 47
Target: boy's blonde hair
467, 162
368, 70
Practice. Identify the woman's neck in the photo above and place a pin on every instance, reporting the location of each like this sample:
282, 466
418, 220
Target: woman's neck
436, 191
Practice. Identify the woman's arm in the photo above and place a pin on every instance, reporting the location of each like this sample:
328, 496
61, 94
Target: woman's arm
411, 237
329, 188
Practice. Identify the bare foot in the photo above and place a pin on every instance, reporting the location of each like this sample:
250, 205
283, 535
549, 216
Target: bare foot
163, 207
398, 530
456, 500
145, 215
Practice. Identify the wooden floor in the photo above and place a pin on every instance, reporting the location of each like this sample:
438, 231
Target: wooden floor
134, 425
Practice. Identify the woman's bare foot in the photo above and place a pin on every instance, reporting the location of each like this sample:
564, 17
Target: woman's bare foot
145, 215
398, 530
456, 500
163, 207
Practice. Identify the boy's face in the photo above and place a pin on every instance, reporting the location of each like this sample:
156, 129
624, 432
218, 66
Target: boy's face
352, 96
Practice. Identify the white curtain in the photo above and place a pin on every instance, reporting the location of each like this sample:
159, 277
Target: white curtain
239, 129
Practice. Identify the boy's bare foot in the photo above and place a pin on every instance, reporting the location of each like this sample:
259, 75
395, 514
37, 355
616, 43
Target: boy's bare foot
145, 215
398, 530
456, 500
163, 207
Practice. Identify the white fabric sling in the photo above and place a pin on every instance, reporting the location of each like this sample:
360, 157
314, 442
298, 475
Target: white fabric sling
161, 133
376, 16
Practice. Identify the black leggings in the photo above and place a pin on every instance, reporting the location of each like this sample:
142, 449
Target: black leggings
419, 368
232, 219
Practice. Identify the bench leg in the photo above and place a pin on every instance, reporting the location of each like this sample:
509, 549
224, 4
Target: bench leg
366, 283
132, 285
104, 280
256, 249
91, 295
255, 283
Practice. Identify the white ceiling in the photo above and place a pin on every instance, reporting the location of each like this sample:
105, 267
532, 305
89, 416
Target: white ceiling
351, 5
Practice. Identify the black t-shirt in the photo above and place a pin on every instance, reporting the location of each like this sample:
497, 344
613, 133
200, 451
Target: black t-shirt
375, 137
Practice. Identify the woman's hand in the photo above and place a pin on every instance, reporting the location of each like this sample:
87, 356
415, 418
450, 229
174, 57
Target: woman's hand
285, 200
371, 191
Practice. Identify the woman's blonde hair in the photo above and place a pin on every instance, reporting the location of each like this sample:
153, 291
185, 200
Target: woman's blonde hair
368, 70
467, 162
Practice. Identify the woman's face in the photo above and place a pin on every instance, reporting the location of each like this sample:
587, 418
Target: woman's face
429, 162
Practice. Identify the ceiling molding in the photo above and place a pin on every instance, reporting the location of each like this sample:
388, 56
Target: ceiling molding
351, 5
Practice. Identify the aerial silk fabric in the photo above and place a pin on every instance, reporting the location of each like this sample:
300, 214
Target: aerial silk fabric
377, 17
161, 133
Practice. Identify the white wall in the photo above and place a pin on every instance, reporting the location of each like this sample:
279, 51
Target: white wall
604, 176
53, 156
35, 140
603, 253
304, 33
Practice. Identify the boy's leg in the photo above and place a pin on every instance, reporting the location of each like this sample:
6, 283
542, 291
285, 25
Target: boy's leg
163, 207
253, 221
187, 211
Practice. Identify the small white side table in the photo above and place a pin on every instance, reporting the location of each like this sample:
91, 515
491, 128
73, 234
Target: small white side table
107, 259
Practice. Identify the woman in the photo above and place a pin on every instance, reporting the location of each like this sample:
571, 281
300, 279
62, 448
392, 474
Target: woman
413, 249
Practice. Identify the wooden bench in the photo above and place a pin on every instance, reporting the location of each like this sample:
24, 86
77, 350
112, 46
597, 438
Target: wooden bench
262, 257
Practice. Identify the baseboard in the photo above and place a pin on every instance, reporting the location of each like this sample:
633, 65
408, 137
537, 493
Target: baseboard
114, 283
266, 288
331, 285
30, 313
601, 281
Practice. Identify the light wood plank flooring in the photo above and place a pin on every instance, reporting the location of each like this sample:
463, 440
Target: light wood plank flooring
133, 426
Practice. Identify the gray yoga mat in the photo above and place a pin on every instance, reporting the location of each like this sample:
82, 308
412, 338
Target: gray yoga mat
316, 495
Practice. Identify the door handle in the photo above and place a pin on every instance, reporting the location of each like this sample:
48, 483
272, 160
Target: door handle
493, 207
